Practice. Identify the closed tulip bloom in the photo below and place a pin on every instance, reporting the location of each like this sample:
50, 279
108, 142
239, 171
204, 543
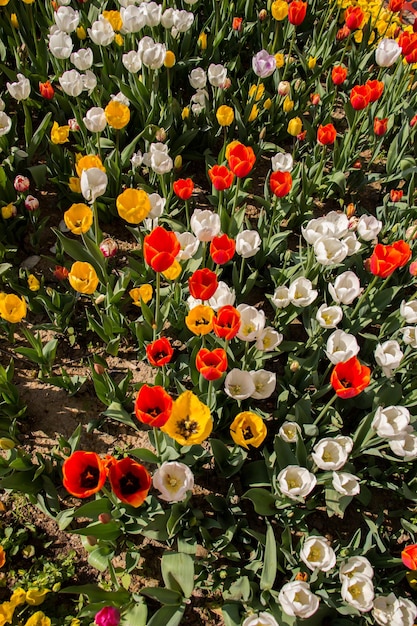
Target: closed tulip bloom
280, 183
107, 616
84, 473
326, 135
12, 308
226, 323
279, 10
407, 42
190, 422
82, 59
160, 248
101, 32
241, 159
95, 120
153, 405
183, 188
159, 352
225, 115
78, 218
248, 243
376, 89
387, 52
60, 44
385, 259
354, 17
296, 12
222, 249
221, 177
72, 83
350, 378
130, 481
83, 278
380, 126
395, 5
222, 296
264, 64
205, 224
248, 429
339, 74
211, 364
67, 19
133, 205
93, 183
46, 90
388, 356
203, 284
295, 126
360, 96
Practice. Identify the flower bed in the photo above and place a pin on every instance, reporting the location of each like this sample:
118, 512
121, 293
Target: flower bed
259, 162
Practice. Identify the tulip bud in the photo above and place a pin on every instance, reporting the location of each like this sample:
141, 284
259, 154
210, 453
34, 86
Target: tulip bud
284, 88
8, 211
262, 15
108, 247
73, 124
178, 162
161, 135
288, 104
100, 299
315, 99
302, 576
411, 232
21, 183
31, 203
350, 210
262, 134
99, 369
6, 443
104, 518
295, 366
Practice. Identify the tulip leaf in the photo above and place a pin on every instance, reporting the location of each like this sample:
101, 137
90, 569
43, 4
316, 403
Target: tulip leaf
100, 557
93, 509
269, 570
136, 615
164, 596
262, 500
96, 594
107, 532
167, 615
178, 572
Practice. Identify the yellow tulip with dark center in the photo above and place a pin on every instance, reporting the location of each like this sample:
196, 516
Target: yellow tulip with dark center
200, 320
117, 114
12, 308
225, 115
190, 421
78, 218
248, 429
83, 277
87, 162
133, 205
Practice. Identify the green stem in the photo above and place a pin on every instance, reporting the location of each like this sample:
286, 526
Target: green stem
156, 433
157, 304
325, 409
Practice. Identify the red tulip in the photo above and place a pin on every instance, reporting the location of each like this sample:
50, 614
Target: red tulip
222, 249
203, 284
409, 556
386, 259
183, 188
84, 473
407, 42
339, 74
226, 323
350, 378
46, 90
360, 97
296, 12
160, 248
343, 33
130, 481
395, 195
380, 126
395, 5
240, 159
326, 135
280, 183
237, 23
211, 364
153, 405
221, 177
354, 17
159, 352
376, 89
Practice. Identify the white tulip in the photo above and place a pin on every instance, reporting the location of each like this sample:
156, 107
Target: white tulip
132, 61
173, 480
189, 245
391, 421
329, 316
205, 224
352, 243
82, 59
368, 227
330, 250
248, 243
222, 296
297, 599
281, 297
296, 482
101, 32
238, 384
183, 21
341, 347
95, 120
388, 355
157, 205
316, 553
405, 445
289, 432
199, 101
265, 383
301, 292
167, 18
268, 340
89, 81
154, 56
59, 43
410, 335
198, 78
153, 13
408, 310
19, 90
392, 611
93, 183
261, 619
346, 288
355, 565
67, 19
345, 483
252, 322
329, 454
387, 52
216, 74
282, 162
358, 591
71, 82
133, 17
5, 123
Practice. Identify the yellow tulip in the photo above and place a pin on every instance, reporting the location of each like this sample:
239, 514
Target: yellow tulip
200, 320
83, 278
190, 421
185, 113
59, 134
13, 20
88, 161
78, 218
33, 283
141, 294
279, 10
279, 59
4, 3
117, 114
118, 40
174, 271
81, 33
169, 59
254, 113
295, 126
312, 63
133, 205
114, 18
248, 429
267, 104
18, 596
256, 91
288, 104
36, 596
225, 115
202, 41
12, 308
74, 184
38, 619
8, 211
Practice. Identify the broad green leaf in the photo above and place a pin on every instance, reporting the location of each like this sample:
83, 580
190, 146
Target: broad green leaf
269, 570
178, 572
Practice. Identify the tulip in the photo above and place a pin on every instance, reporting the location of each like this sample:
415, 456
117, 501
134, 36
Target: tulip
247, 429
190, 422
211, 364
296, 12
388, 356
339, 74
225, 115
350, 378
200, 320
221, 177
241, 159
159, 352
93, 183
141, 294
354, 17
222, 249
95, 120
317, 554
280, 183
326, 135
262, 618
108, 247
101, 32
173, 480
183, 188
84, 473
385, 259
153, 405
198, 78
117, 114
301, 292
391, 421
387, 52
330, 453
248, 243
202, 284
12, 308
133, 205
239, 384
395, 195
83, 278
360, 96
295, 126
358, 591
216, 74
376, 89
5, 123
205, 224
46, 90
78, 218
160, 248
265, 383
19, 90
380, 126
237, 23
264, 64
107, 616
296, 482
226, 323
296, 599
130, 481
